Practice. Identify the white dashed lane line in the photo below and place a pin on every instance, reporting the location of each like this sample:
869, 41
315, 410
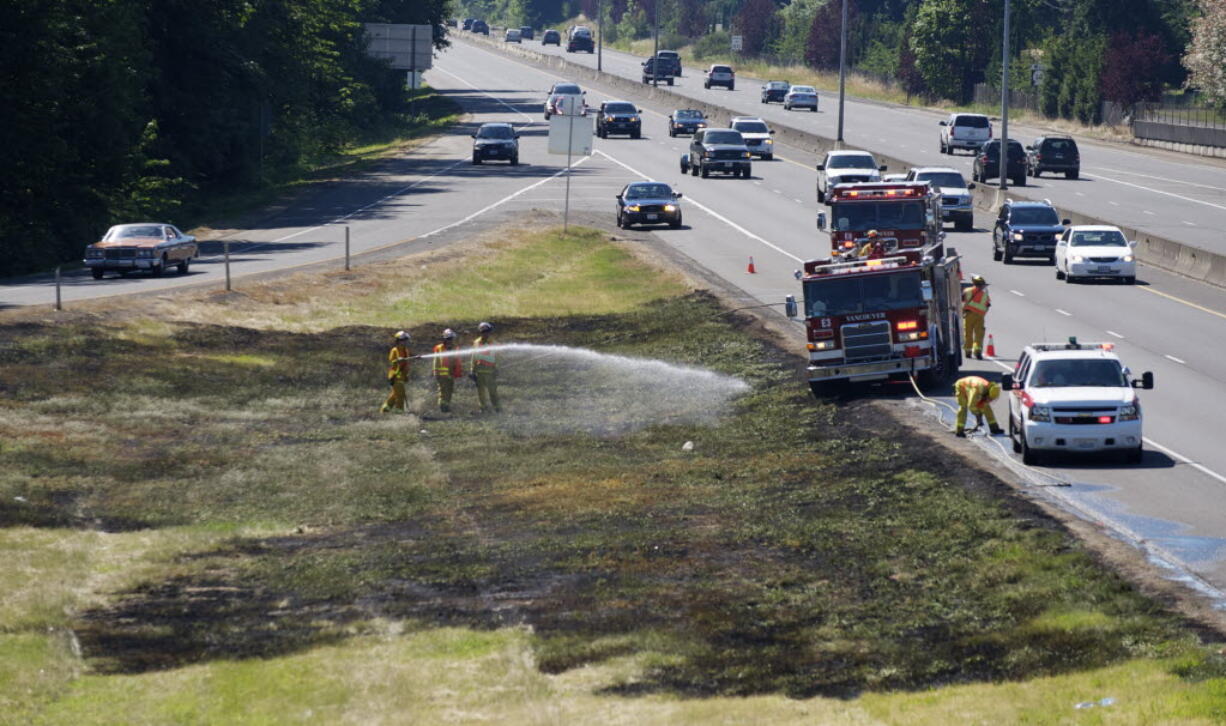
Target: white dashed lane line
1146, 211
1190, 224
1177, 360
1019, 293
1112, 332
1114, 204
1065, 313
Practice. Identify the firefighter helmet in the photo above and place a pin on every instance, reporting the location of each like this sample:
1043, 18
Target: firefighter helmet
978, 280
448, 334
485, 327
993, 391
873, 233
402, 335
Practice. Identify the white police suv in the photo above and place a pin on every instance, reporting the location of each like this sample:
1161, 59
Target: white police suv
1074, 397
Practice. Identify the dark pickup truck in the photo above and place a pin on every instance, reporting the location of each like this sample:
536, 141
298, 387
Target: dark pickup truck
717, 150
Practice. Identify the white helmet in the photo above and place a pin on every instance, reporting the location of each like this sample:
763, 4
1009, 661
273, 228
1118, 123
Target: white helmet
402, 335
485, 327
448, 334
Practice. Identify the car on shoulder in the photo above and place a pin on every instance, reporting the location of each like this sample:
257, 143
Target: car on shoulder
800, 97
619, 117
775, 91
967, 131
526, 32
757, 136
580, 39
956, 203
554, 101
648, 202
480, 26
512, 36
1077, 398
1089, 251
685, 121
150, 247
846, 166
1026, 229
717, 151
551, 37
1055, 153
987, 163
496, 140
720, 75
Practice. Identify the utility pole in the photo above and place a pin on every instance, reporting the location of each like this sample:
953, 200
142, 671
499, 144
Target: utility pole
655, 56
842, 72
599, 34
1004, 105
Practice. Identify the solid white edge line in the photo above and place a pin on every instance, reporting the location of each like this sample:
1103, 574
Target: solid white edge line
709, 211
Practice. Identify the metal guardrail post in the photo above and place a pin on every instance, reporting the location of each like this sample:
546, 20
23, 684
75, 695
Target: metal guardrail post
226, 247
346, 248
59, 301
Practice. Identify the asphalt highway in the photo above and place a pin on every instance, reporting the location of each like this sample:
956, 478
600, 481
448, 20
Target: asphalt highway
1170, 195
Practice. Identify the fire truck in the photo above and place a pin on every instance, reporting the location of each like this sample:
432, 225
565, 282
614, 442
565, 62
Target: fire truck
893, 312
908, 213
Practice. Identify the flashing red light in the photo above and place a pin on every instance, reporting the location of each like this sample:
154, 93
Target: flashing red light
1104, 419
849, 244
908, 324
853, 194
1107, 346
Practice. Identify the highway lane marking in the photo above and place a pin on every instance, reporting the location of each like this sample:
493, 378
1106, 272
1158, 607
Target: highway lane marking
1180, 300
709, 211
1112, 332
797, 201
1114, 204
1190, 224
483, 93
1180, 361
1159, 191
1019, 293
1146, 211
1162, 178
777, 191
1064, 313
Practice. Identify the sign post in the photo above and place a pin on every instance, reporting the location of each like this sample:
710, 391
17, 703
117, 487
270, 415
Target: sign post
570, 132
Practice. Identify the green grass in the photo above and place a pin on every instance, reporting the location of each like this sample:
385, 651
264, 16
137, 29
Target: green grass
206, 523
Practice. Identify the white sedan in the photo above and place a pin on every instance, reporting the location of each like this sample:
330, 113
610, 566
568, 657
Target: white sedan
801, 97
1087, 251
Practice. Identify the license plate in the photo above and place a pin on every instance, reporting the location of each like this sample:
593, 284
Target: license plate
727, 164
653, 216
1085, 443
1103, 269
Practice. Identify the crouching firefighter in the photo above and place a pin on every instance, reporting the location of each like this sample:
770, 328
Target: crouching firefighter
975, 395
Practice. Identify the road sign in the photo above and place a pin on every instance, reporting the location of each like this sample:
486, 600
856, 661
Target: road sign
408, 47
570, 135
737, 42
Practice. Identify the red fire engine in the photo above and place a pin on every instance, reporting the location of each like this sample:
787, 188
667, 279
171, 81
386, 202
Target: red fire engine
877, 318
906, 215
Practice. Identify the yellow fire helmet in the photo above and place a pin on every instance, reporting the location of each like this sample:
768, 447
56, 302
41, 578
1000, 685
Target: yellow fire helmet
993, 391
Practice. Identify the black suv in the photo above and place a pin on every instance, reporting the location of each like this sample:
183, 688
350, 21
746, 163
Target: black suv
717, 150
496, 141
775, 91
480, 26
987, 162
526, 32
685, 121
580, 39
551, 36
658, 70
1026, 229
1054, 153
618, 117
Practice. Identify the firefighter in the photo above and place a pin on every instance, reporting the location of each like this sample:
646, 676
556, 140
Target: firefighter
872, 249
975, 304
484, 367
975, 395
447, 369
397, 372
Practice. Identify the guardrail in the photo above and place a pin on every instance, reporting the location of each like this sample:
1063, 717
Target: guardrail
1167, 254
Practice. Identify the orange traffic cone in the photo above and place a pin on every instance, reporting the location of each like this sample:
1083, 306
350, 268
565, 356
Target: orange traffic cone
751, 269
991, 346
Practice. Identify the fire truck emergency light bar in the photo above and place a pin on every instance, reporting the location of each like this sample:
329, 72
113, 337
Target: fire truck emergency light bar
882, 192
842, 268
1072, 344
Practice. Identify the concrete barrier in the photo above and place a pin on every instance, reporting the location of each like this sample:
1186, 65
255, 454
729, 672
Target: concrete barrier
1160, 252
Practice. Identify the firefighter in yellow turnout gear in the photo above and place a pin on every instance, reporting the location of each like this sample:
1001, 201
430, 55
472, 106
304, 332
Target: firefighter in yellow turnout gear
397, 372
484, 367
975, 395
447, 369
975, 304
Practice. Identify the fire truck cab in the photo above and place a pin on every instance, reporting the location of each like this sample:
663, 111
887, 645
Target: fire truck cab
906, 214
878, 318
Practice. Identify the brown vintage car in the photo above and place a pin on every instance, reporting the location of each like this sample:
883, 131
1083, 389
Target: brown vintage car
150, 246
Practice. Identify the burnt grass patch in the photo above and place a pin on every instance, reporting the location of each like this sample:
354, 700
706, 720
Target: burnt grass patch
801, 547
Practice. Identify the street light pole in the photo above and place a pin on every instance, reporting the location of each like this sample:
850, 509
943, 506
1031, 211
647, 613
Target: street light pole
655, 56
599, 34
1003, 157
842, 72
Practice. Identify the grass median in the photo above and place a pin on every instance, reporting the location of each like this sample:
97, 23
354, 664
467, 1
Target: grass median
205, 519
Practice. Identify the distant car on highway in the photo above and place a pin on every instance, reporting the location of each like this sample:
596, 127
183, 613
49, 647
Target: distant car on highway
1077, 398
720, 75
1054, 153
964, 131
580, 39
648, 202
496, 141
800, 97
774, 91
1026, 229
480, 26
757, 136
671, 60
1095, 251
551, 37
846, 167
717, 150
987, 162
468, 24
526, 32
150, 247
956, 203
657, 70
618, 117
512, 36
685, 121
553, 102
452, 23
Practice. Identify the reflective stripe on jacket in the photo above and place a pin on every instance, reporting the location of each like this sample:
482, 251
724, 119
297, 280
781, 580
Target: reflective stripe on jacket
447, 366
483, 358
976, 300
398, 363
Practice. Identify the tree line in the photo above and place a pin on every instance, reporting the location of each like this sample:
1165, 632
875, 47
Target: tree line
121, 110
